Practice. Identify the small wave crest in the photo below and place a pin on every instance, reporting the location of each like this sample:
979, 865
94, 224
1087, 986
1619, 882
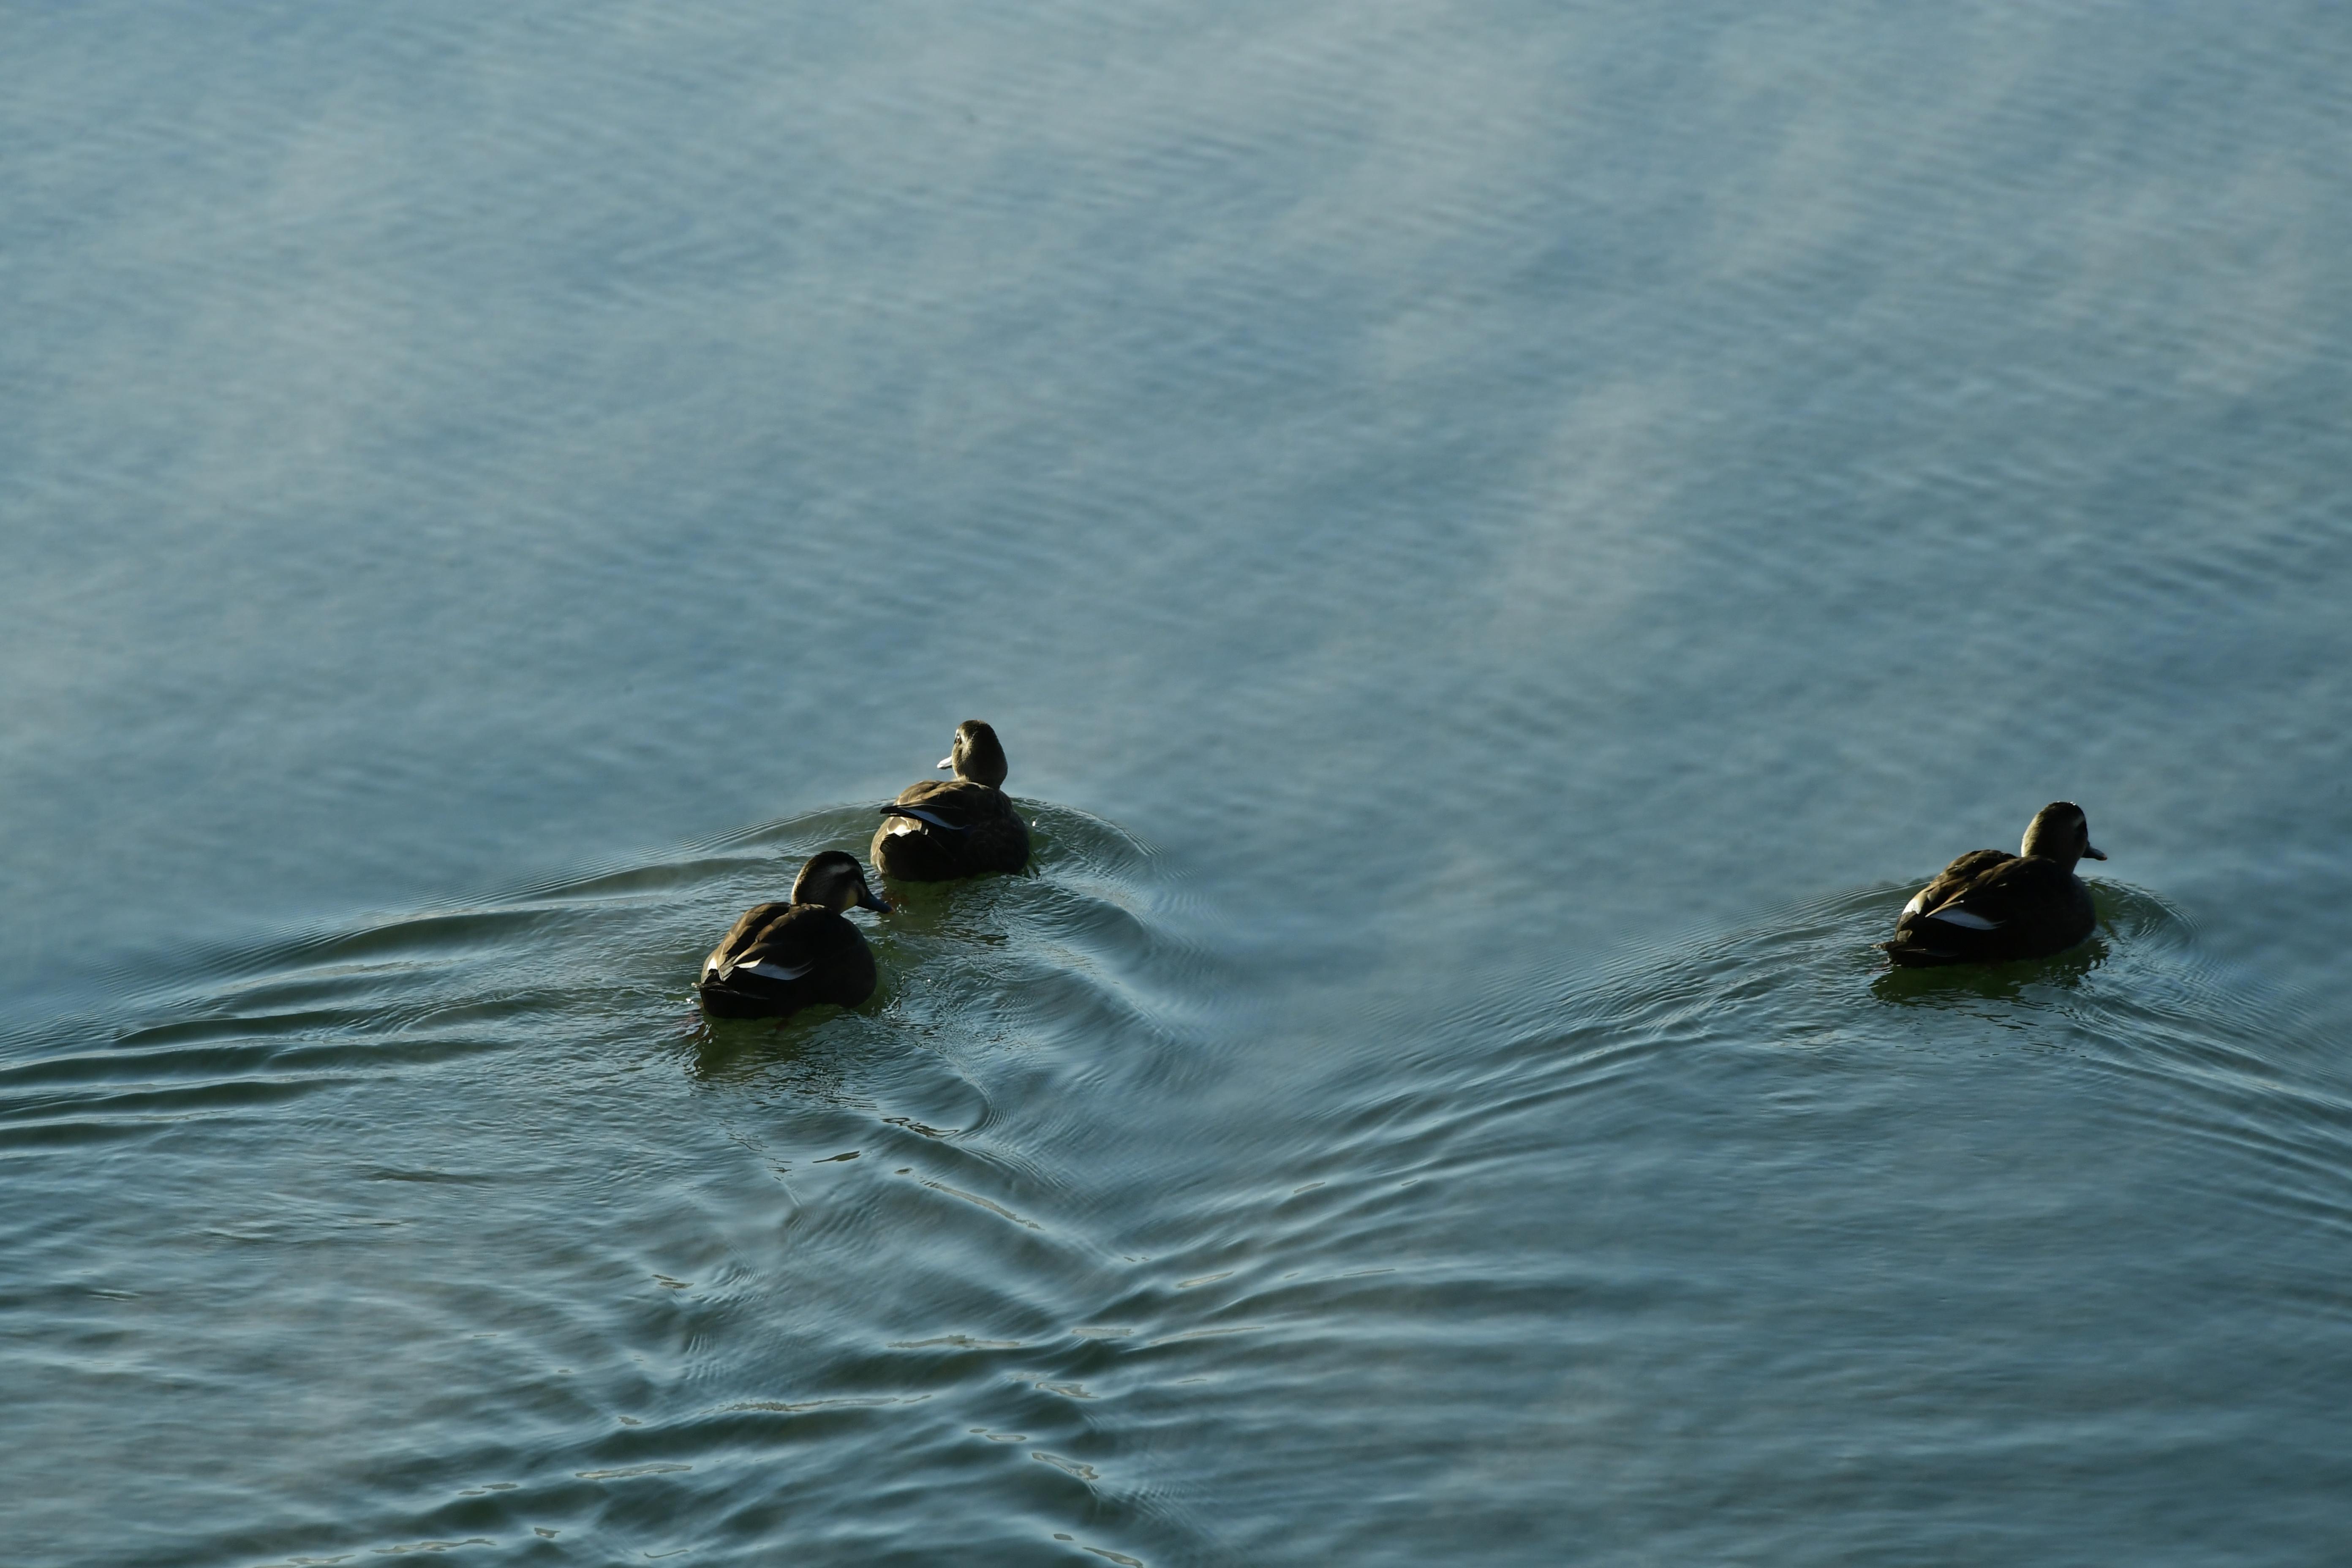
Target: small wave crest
496, 1142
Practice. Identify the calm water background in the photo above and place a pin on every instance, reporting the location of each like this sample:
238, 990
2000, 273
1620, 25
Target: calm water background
1500, 539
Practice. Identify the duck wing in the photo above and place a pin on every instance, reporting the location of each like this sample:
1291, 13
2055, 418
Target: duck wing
955, 806
1949, 882
775, 963
775, 942
2018, 887
739, 936
944, 828
2004, 906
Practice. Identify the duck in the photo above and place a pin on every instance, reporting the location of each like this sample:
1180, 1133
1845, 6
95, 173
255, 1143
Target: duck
779, 958
1988, 907
940, 829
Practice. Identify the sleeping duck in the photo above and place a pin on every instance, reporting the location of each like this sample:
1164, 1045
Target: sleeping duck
943, 828
1986, 906
780, 958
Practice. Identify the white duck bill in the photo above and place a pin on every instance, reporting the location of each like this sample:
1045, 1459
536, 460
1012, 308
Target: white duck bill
949, 762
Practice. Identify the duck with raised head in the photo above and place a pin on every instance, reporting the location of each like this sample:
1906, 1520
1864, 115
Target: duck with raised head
1988, 907
780, 958
940, 829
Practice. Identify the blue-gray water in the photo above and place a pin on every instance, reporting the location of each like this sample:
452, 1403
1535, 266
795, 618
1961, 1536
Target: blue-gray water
1502, 540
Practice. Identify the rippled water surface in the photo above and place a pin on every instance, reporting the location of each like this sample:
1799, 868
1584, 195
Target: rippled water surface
1503, 543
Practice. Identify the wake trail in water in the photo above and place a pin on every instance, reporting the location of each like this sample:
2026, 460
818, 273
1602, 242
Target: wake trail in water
504, 1125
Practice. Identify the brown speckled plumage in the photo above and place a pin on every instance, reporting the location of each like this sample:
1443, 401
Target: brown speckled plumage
1988, 906
941, 829
780, 957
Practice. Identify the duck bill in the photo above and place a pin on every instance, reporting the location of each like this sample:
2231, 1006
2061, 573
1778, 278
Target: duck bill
867, 900
2093, 853
945, 764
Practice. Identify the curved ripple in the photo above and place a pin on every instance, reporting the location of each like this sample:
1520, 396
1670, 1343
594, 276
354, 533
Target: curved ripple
1750, 1229
1751, 1232
622, 1267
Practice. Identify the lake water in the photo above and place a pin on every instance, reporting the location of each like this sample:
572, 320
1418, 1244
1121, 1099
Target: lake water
1502, 541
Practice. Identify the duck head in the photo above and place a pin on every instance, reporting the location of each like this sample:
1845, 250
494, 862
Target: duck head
837, 881
2060, 832
977, 756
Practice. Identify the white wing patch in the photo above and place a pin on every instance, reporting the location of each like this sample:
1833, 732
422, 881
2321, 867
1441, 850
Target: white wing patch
1917, 899
773, 970
1952, 914
900, 825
